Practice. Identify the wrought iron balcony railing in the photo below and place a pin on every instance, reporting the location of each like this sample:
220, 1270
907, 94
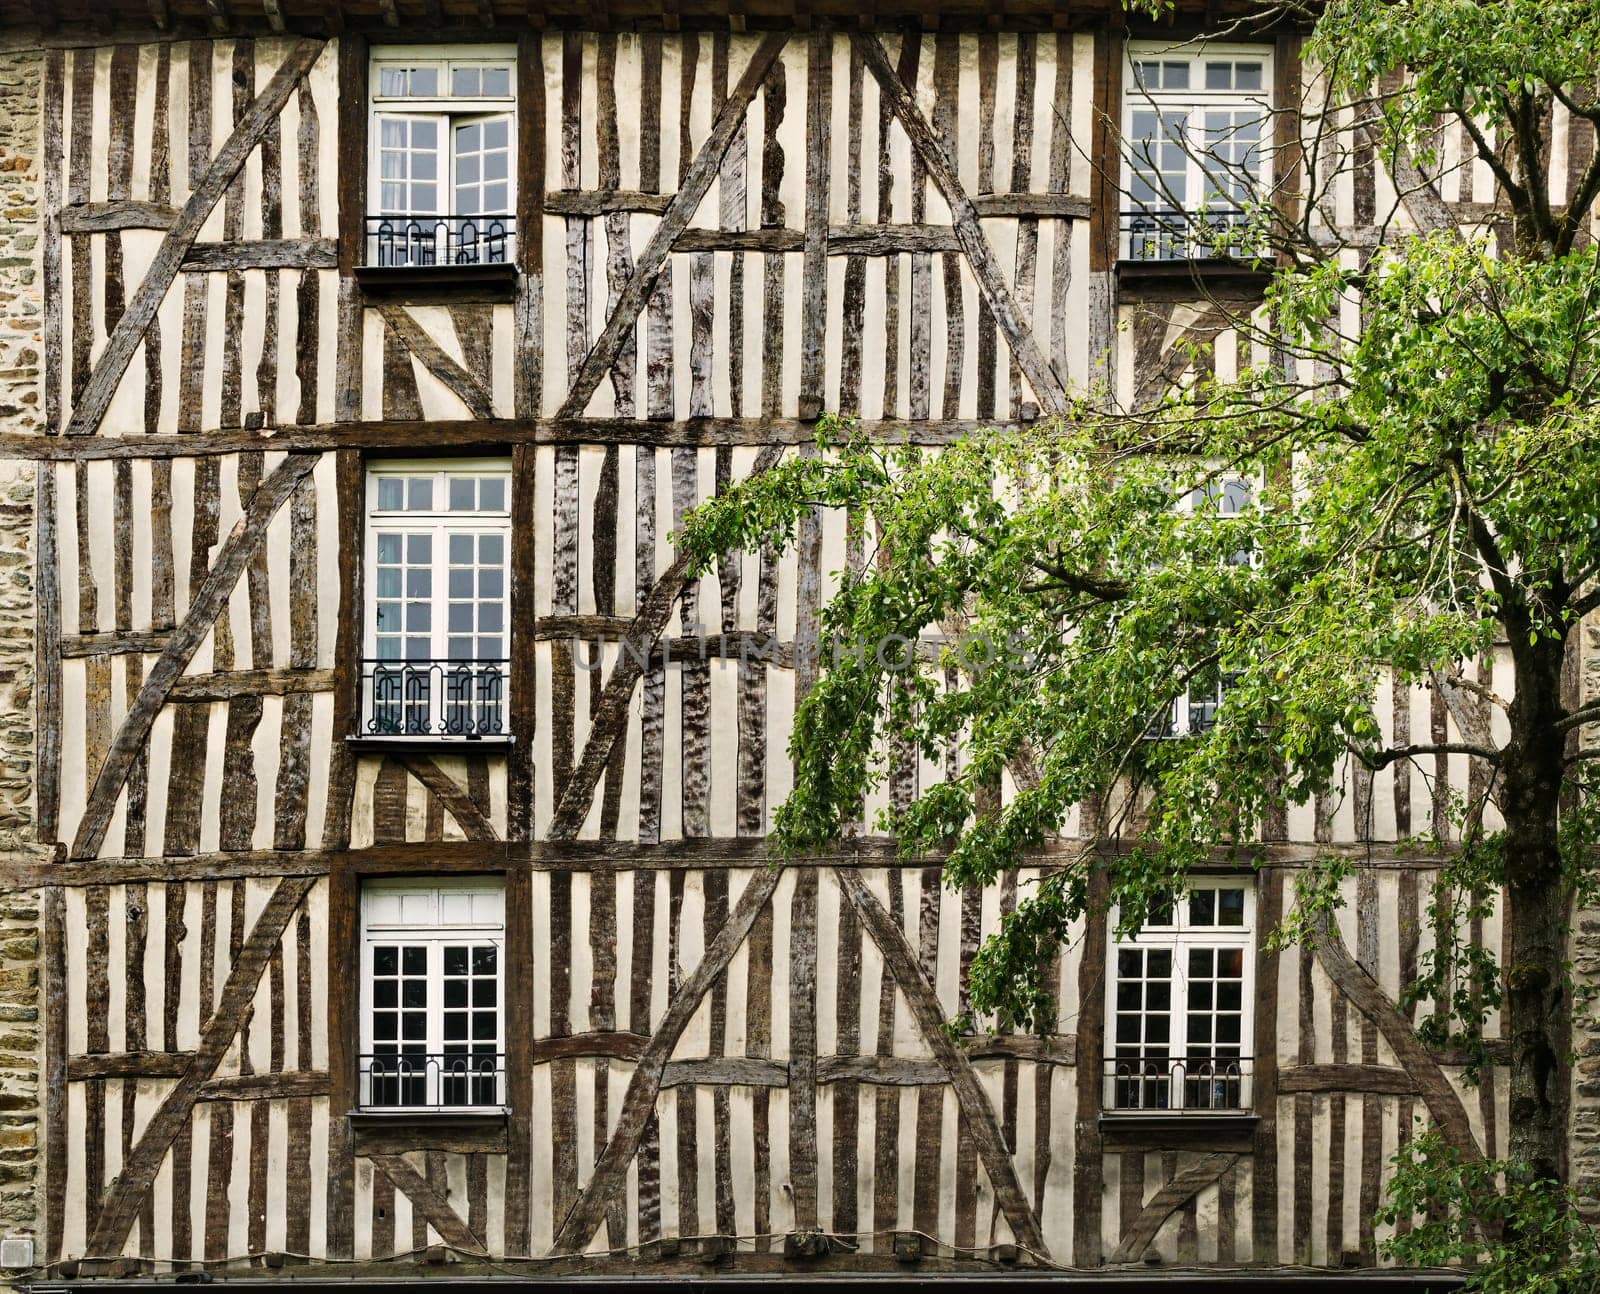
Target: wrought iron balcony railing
1177, 1085
453, 1080
433, 698
412, 241
1169, 235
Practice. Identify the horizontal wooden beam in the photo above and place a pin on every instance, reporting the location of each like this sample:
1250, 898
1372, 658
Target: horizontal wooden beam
421, 436
586, 855
108, 217
601, 202
263, 254
265, 1087
250, 682
128, 1064
118, 643
1386, 1080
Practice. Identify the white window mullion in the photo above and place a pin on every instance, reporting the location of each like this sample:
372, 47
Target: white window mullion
435, 1021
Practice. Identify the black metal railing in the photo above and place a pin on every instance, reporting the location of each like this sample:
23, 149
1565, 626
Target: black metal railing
1170, 235
433, 698
419, 1081
1196, 1084
440, 240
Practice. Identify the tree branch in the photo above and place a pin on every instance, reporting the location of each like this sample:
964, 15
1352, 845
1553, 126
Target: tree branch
1381, 759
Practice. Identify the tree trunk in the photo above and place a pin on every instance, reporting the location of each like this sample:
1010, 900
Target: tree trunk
1537, 1006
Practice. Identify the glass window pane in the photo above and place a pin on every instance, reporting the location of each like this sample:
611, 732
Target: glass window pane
419, 494
455, 960
414, 960
419, 583
491, 583
460, 617
491, 494
1229, 994
424, 134
491, 550
1247, 76
1129, 962
1175, 76
460, 583
466, 169
424, 82
496, 83
491, 648
1203, 908
1160, 963
455, 992
414, 1027
385, 960
484, 1026
464, 81
391, 492
1230, 907
494, 166
1200, 962
490, 617
1228, 1029
461, 550
419, 617
388, 582
496, 198
419, 549
1219, 76
1127, 1029
414, 992
424, 197
1230, 962
483, 960
1158, 1028
1158, 996
461, 492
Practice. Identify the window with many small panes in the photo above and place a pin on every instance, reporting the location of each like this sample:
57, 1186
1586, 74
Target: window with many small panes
438, 620
432, 1033
443, 131
1178, 1012
1196, 133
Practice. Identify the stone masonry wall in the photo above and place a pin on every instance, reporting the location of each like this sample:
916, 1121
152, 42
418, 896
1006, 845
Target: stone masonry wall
21, 400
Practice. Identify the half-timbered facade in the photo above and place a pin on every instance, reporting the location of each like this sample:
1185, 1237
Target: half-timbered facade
398, 809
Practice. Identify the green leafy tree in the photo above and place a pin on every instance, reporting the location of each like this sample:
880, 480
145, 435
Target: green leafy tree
1428, 501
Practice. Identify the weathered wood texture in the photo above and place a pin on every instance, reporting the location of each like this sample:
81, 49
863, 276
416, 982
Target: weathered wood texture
722, 236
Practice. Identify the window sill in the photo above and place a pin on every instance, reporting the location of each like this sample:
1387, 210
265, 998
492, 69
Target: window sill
1155, 278
432, 741
438, 283
1220, 1131
467, 1131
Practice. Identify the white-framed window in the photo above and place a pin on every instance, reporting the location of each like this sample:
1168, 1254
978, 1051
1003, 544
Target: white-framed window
1196, 133
443, 144
1194, 711
432, 994
438, 552
1179, 1004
